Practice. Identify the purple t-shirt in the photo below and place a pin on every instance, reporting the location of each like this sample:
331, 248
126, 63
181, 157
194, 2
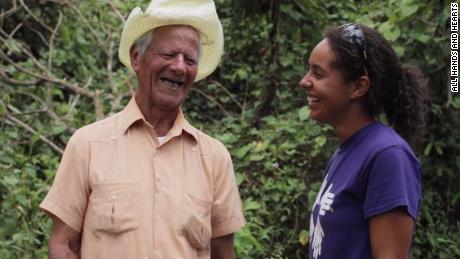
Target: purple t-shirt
372, 172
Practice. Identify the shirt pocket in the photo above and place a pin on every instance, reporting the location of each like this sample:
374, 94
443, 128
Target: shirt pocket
114, 208
197, 222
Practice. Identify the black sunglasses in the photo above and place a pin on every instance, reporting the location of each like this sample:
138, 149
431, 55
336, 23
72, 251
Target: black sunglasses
355, 35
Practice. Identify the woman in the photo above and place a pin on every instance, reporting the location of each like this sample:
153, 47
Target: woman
370, 197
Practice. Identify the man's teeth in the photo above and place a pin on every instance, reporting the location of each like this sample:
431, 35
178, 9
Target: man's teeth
170, 83
312, 99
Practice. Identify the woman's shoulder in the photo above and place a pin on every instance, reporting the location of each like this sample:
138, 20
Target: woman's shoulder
382, 137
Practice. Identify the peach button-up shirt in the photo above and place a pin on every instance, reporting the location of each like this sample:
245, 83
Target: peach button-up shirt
132, 197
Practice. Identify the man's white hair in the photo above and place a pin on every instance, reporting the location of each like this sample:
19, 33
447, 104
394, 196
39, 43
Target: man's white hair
143, 42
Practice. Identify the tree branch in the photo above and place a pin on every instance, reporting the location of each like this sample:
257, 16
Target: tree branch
212, 100
86, 22
11, 81
227, 92
62, 83
28, 128
24, 50
38, 33
270, 89
117, 12
115, 99
15, 30
35, 17
98, 105
12, 10
51, 43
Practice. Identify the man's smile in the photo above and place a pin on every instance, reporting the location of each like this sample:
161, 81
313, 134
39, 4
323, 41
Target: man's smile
172, 83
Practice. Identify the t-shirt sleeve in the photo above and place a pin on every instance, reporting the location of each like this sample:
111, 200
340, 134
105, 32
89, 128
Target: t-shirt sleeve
394, 180
226, 213
68, 196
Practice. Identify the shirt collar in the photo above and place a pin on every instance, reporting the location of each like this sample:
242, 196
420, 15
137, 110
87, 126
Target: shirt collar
132, 114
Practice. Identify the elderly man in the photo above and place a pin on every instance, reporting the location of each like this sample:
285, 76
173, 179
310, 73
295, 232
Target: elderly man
144, 183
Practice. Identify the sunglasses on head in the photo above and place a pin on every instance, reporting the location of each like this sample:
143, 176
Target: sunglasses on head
355, 35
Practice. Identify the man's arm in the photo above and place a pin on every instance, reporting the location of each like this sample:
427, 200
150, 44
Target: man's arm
391, 234
222, 247
64, 241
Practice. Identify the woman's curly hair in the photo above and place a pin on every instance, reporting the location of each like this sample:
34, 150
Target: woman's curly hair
399, 91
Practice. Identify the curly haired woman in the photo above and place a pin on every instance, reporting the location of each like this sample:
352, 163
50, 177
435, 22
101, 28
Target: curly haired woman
370, 197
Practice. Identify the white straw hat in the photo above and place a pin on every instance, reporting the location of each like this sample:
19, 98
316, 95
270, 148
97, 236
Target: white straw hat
199, 14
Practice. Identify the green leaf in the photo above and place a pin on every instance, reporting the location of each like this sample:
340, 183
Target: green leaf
241, 152
408, 8
239, 178
257, 156
241, 74
249, 204
438, 148
56, 130
13, 109
12, 46
423, 38
389, 31
304, 113
455, 102
428, 148
320, 141
400, 50
455, 199
227, 138
10, 180
31, 172
304, 237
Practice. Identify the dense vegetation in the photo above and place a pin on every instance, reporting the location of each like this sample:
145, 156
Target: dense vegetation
59, 71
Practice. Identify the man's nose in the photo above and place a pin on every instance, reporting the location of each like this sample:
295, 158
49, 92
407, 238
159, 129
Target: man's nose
178, 64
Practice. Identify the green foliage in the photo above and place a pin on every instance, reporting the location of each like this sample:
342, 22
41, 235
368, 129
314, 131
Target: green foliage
59, 73
274, 190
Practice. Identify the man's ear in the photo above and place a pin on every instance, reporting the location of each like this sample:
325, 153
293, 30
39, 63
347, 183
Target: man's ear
360, 87
134, 58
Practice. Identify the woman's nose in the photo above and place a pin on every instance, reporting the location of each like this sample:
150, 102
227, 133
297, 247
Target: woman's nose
305, 82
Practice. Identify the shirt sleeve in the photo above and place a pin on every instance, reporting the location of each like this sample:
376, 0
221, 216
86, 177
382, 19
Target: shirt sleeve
394, 180
226, 213
68, 196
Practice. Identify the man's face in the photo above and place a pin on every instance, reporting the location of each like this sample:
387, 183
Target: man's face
167, 69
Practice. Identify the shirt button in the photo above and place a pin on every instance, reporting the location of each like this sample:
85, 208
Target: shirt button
114, 197
193, 149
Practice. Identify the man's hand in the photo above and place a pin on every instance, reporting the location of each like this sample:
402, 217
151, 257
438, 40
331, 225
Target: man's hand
64, 241
222, 247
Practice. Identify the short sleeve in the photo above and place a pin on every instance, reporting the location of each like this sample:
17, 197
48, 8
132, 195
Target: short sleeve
226, 214
68, 196
394, 180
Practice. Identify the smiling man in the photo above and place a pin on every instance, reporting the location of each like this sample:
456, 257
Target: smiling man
144, 183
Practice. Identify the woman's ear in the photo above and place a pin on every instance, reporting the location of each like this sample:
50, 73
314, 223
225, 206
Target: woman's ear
360, 87
134, 58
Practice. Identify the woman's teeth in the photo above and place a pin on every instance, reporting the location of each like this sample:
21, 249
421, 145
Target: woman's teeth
312, 99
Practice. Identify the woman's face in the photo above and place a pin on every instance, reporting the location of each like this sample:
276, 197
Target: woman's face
328, 93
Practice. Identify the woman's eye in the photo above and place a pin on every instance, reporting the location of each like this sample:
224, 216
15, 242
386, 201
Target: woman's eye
317, 73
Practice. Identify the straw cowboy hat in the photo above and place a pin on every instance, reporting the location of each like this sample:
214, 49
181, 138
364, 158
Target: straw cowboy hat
199, 14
